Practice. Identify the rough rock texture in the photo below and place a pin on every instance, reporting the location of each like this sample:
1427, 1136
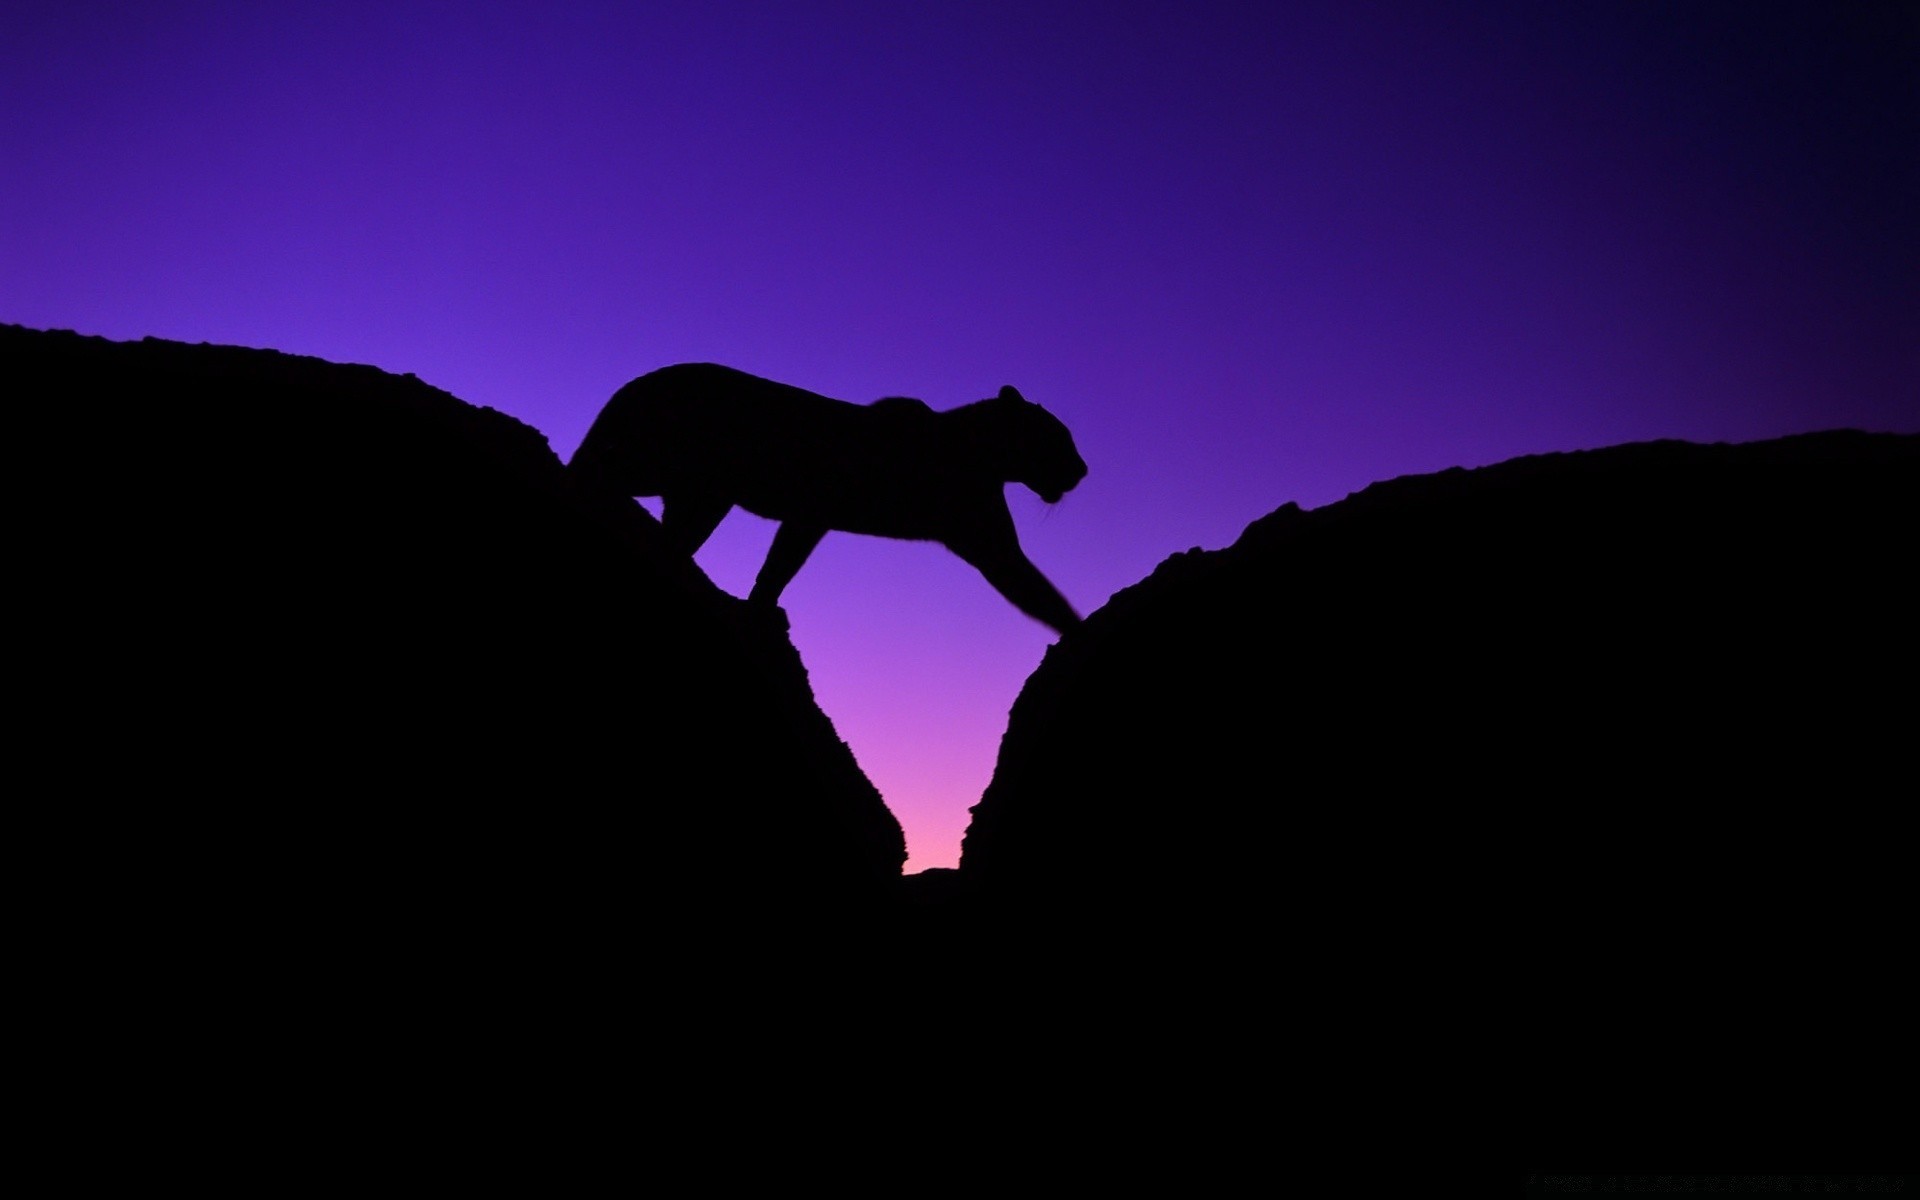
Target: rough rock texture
323, 655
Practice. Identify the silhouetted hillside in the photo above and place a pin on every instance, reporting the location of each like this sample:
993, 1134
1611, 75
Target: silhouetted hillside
1663, 628
333, 655
347, 714
1586, 766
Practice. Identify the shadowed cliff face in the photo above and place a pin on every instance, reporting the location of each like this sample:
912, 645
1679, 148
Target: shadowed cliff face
1653, 637
359, 737
333, 655
1582, 767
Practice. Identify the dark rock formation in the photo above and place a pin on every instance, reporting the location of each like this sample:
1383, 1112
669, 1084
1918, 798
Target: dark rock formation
355, 736
1647, 636
1606, 755
327, 661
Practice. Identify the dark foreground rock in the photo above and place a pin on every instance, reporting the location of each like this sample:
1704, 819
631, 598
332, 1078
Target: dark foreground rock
1652, 636
370, 767
1587, 770
329, 666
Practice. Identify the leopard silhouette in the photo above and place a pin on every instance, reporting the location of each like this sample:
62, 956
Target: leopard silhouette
707, 438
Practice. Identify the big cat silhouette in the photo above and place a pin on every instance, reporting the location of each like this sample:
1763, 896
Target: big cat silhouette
707, 439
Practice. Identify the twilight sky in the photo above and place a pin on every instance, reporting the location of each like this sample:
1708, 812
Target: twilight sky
1250, 252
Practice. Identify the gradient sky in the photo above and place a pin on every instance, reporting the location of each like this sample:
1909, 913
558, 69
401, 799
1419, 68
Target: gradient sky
1249, 252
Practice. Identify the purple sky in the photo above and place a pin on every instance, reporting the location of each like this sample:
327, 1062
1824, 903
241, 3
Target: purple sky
1250, 253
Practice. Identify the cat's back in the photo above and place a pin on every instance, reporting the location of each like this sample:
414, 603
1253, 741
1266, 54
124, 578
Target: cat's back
714, 428
708, 394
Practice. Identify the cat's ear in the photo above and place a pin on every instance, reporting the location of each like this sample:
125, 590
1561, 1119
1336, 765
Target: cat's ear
1008, 393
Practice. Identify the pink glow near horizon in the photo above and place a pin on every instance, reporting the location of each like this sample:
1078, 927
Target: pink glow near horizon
1250, 253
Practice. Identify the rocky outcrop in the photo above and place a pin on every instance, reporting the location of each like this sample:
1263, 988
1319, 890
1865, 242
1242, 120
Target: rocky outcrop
1570, 651
356, 737
1584, 773
325, 656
